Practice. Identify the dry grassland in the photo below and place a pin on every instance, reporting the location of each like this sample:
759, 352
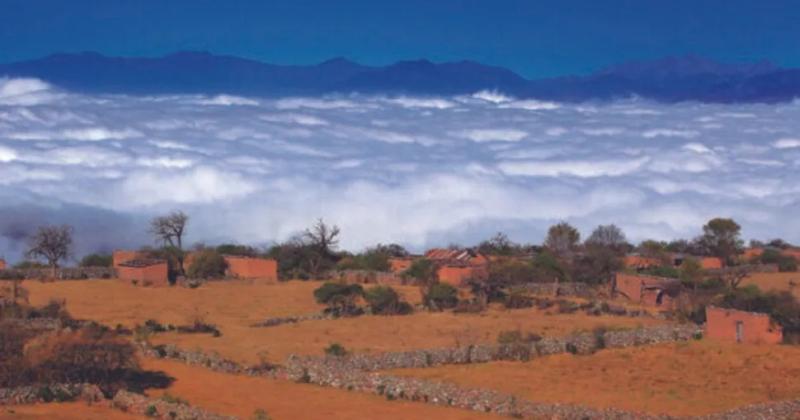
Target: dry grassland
234, 306
242, 395
694, 378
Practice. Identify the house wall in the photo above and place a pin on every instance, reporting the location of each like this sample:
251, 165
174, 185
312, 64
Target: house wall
253, 268
629, 285
457, 275
757, 328
651, 297
150, 275
710, 263
2, 264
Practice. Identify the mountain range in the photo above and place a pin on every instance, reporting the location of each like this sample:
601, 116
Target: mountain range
671, 79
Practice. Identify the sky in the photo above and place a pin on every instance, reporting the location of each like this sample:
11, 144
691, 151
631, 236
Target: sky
533, 38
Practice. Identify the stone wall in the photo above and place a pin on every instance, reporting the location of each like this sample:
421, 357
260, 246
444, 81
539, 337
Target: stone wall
48, 393
161, 408
67, 273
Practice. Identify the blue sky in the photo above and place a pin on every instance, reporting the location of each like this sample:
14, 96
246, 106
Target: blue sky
534, 38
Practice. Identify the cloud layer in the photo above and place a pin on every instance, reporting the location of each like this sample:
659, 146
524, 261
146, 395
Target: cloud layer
421, 171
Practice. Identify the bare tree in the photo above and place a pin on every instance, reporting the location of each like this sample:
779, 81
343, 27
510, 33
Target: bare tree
169, 230
52, 243
322, 236
733, 276
322, 240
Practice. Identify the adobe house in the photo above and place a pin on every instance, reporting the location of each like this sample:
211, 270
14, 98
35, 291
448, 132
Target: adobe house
458, 265
647, 290
144, 272
263, 269
741, 326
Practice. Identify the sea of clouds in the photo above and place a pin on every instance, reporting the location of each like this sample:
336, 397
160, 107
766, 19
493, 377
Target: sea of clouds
421, 171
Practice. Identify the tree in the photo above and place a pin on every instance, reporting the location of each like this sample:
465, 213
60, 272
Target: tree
423, 270
322, 240
691, 273
721, 239
52, 243
340, 298
499, 244
169, 230
325, 238
562, 240
384, 300
609, 236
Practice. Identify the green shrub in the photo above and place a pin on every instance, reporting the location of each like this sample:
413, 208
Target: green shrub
336, 349
423, 271
439, 296
238, 250
340, 298
518, 299
169, 398
384, 300
151, 411
207, 264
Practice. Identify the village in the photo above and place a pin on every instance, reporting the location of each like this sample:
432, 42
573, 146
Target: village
456, 332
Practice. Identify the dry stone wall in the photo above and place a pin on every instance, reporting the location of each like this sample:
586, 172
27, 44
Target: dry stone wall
160, 408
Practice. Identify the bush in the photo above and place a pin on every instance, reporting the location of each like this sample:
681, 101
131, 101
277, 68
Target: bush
384, 300
784, 262
97, 260
336, 349
518, 299
207, 264
238, 250
260, 414
440, 296
373, 259
340, 298
423, 271
663, 271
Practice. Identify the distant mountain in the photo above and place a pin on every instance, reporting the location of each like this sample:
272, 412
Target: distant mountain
669, 79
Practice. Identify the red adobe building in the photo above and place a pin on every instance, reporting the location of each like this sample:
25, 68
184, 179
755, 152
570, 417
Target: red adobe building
458, 265
741, 326
647, 290
262, 269
144, 272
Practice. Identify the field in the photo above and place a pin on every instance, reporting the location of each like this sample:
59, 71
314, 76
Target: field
693, 378
775, 281
234, 307
241, 396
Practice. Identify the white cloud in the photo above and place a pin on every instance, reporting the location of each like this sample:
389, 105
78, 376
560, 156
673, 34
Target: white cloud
492, 96
227, 100
786, 143
492, 134
24, 92
531, 105
578, 168
666, 132
417, 170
